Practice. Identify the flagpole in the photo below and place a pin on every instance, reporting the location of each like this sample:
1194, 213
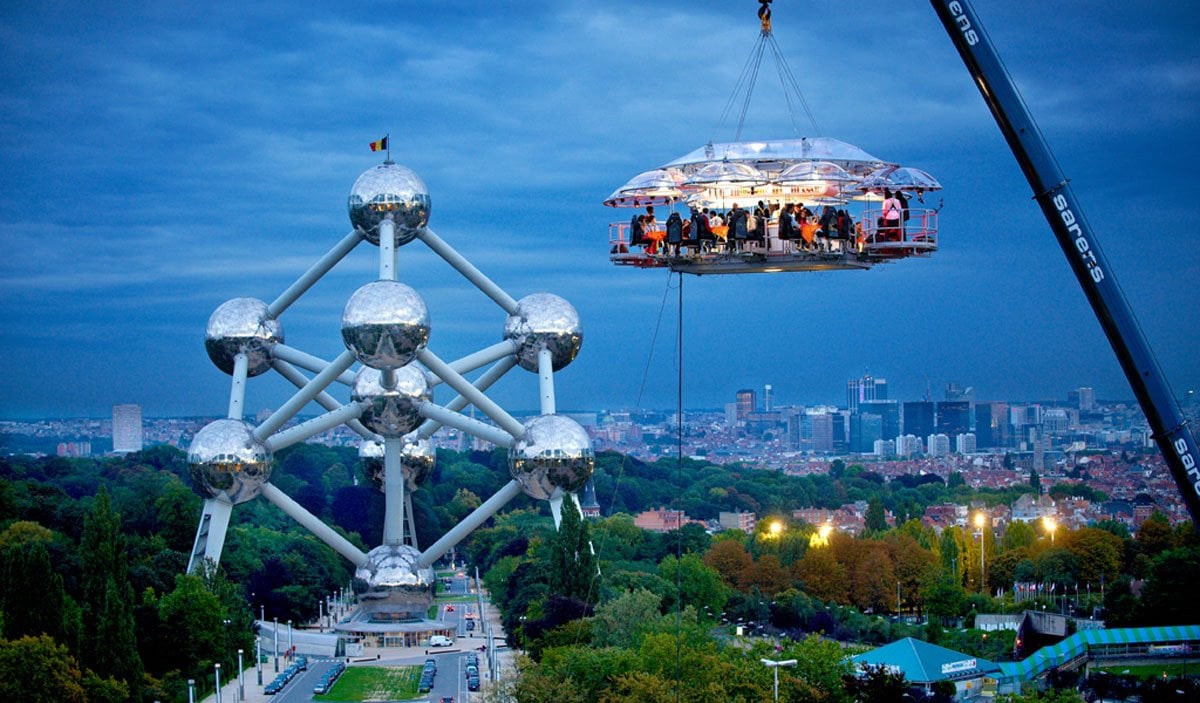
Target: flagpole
387, 139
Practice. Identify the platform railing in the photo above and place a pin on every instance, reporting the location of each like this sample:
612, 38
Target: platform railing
920, 232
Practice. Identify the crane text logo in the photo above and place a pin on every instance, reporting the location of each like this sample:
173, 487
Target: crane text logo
1081, 242
964, 24
1189, 462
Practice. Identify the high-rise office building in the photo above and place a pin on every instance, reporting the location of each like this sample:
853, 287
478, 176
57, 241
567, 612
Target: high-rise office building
768, 399
864, 389
953, 417
865, 428
888, 412
822, 432
747, 403
918, 418
1087, 399
991, 425
127, 428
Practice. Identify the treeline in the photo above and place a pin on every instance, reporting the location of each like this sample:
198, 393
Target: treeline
659, 604
703, 490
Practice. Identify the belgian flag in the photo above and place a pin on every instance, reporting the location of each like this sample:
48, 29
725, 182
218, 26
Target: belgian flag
380, 145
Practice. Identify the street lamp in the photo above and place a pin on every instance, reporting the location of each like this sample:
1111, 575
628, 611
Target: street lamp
776, 528
774, 666
241, 678
217, 670
276, 631
1050, 525
191, 690
980, 521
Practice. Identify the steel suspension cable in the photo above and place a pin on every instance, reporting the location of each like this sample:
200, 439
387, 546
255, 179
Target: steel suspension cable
751, 65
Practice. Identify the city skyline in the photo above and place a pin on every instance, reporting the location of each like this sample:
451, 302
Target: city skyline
204, 160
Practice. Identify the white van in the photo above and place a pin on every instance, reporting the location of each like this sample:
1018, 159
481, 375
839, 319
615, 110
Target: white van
440, 641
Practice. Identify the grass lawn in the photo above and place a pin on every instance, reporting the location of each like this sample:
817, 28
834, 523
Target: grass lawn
1154, 671
458, 598
361, 683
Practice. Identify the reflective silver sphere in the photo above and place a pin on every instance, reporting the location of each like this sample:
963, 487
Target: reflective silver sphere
391, 412
543, 319
417, 458
385, 324
370, 453
226, 461
242, 325
389, 188
554, 454
392, 568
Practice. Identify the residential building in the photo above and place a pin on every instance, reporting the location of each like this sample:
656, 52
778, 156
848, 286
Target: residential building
127, 428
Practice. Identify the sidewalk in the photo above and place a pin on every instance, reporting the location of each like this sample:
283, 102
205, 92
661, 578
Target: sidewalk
384, 656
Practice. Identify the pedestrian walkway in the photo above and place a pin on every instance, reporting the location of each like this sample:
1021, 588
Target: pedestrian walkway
505, 660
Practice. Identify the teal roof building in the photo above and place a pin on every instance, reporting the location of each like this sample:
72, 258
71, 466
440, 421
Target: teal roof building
925, 664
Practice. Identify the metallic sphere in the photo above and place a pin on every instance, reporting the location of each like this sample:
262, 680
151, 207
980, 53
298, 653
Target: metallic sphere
393, 568
544, 320
385, 324
389, 189
242, 325
391, 412
226, 461
370, 453
417, 458
553, 455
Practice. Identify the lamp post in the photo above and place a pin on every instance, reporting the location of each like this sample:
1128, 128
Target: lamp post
191, 690
980, 521
1050, 525
241, 678
320, 616
217, 673
290, 645
774, 666
276, 631
258, 656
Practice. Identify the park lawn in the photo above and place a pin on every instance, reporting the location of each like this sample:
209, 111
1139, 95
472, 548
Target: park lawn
1153, 671
362, 683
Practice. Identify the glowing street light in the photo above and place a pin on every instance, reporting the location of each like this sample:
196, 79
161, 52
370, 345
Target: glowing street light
980, 521
820, 538
1050, 525
776, 528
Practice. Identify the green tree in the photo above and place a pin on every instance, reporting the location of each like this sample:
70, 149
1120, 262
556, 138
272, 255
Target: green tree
621, 621
33, 593
1018, 534
195, 619
876, 684
572, 564
1035, 481
38, 670
876, 519
698, 584
109, 644
943, 595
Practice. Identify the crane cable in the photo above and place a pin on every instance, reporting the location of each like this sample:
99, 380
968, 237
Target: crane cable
749, 77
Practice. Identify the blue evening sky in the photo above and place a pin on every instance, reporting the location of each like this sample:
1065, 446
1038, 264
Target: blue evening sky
159, 158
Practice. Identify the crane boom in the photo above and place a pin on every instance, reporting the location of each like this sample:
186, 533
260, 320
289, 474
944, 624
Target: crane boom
1065, 216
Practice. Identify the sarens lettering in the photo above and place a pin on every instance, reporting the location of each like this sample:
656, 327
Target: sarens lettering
964, 24
1081, 242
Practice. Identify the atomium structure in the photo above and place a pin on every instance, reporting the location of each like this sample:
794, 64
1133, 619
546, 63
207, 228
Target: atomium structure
387, 332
